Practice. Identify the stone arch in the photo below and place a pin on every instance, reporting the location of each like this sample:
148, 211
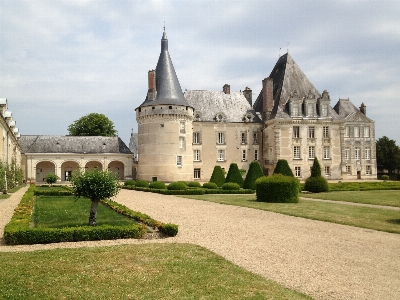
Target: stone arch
94, 164
43, 168
117, 167
67, 168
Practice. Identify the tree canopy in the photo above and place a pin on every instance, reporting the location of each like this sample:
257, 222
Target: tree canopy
387, 155
93, 124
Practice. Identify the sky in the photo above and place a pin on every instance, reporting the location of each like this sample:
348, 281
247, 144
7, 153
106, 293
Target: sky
61, 60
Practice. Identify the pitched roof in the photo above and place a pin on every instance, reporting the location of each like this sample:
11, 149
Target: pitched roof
346, 109
72, 144
234, 106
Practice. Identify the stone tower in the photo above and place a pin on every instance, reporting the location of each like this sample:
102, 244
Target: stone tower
164, 126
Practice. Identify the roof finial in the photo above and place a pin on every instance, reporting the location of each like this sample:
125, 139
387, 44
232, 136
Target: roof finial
287, 47
164, 34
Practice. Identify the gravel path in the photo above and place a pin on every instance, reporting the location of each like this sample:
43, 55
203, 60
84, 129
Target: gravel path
323, 260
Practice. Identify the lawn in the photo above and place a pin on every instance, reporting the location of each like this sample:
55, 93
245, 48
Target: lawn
149, 271
365, 217
67, 211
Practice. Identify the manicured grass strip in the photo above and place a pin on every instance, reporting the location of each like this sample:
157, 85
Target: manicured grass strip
365, 217
67, 211
364, 185
150, 271
375, 197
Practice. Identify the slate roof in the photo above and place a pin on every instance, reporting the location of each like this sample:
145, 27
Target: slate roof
345, 108
72, 144
233, 106
168, 88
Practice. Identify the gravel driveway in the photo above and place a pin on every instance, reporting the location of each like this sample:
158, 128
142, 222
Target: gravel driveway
323, 260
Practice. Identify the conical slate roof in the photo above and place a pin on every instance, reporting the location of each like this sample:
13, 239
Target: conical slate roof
168, 89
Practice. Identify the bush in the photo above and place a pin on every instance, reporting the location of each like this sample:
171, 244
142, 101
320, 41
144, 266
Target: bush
234, 175
157, 185
194, 184
169, 229
142, 183
221, 191
277, 188
179, 185
316, 168
210, 185
129, 182
316, 184
253, 174
218, 176
282, 167
385, 177
51, 178
230, 186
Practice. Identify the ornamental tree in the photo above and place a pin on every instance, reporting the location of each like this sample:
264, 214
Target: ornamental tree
51, 178
218, 176
95, 185
93, 124
282, 167
234, 175
253, 174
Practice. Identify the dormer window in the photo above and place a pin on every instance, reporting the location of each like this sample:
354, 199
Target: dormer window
310, 109
248, 117
324, 110
220, 117
295, 105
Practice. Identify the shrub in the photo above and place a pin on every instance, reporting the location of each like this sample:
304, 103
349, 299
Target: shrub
385, 177
230, 186
142, 183
234, 175
221, 191
194, 184
316, 168
316, 184
277, 188
210, 185
179, 185
130, 182
170, 229
218, 176
282, 167
157, 185
51, 178
253, 174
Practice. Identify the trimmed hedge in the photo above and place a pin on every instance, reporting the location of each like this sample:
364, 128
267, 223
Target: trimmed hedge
234, 175
157, 185
52, 193
130, 182
169, 229
231, 186
316, 184
277, 189
218, 176
179, 185
210, 185
194, 184
253, 174
221, 191
282, 167
142, 183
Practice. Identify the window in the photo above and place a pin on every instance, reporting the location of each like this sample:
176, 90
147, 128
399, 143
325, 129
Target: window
196, 138
243, 137
255, 154
243, 155
221, 155
221, 138
310, 109
324, 110
296, 152
296, 131
356, 131
196, 155
182, 127
179, 161
327, 152
348, 169
325, 132
297, 171
327, 171
357, 153
368, 170
196, 174
311, 152
347, 131
366, 131
295, 110
311, 132
347, 153
181, 142
367, 153
255, 138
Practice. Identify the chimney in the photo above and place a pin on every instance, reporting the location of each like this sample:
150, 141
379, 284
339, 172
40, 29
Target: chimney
268, 95
247, 93
363, 108
226, 88
151, 93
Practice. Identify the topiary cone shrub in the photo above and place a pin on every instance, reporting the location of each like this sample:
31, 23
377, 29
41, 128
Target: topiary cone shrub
282, 167
316, 183
253, 174
277, 189
234, 175
218, 176
316, 168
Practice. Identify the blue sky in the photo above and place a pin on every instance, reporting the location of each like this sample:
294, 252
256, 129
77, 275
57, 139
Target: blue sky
60, 60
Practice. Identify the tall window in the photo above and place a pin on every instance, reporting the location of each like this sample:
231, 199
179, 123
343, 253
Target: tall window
243, 137
295, 110
296, 131
196, 155
296, 152
311, 152
347, 131
221, 138
179, 161
297, 171
310, 109
255, 154
196, 138
357, 152
311, 132
182, 127
243, 155
368, 170
325, 132
196, 173
356, 131
324, 110
181, 142
366, 131
327, 171
347, 153
367, 153
255, 138
327, 152
348, 169
221, 155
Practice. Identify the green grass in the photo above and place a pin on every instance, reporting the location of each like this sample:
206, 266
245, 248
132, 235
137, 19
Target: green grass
58, 212
13, 190
365, 217
150, 271
379, 197
364, 185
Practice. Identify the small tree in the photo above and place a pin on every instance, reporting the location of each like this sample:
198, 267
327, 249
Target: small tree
51, 178
234, 175
316, 183
316, 168
282, 167
218, 176
253, 174
94, 185
93, 124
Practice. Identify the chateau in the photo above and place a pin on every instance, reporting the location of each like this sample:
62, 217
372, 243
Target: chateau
182, 136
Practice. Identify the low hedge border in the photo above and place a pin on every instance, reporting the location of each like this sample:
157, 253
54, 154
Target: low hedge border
189, 191
52, 193
219, 191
